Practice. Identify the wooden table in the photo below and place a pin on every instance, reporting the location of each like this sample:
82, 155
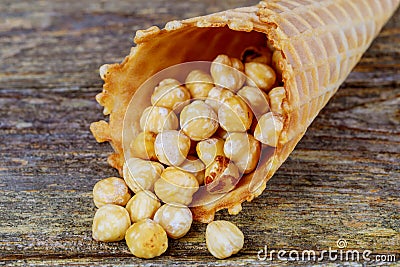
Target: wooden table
342, 181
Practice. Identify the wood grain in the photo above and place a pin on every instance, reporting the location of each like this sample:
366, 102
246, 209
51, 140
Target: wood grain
342, 181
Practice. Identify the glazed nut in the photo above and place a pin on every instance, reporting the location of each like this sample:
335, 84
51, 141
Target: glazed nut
199, 84
143, 205
143, 146
227, 72
170, 94
176, 219
276, 97
176, 186
268, 129
223, 239
244, 150
172, 147
260, 75
141, 174
146, 239
208, 149
255, 98
234, 115
194, 166
221, 176
257, 54
111, 190
158, 119
198, 120
217, 96
110, 223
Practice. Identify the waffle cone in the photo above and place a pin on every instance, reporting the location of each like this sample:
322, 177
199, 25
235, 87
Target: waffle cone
321, 41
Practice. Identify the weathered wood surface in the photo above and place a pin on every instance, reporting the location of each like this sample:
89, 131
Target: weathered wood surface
342, 181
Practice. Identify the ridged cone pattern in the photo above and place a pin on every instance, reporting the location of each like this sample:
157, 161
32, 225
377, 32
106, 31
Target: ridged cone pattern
321, 41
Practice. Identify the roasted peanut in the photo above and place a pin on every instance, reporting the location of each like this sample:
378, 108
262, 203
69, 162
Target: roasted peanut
141, 174
198, 120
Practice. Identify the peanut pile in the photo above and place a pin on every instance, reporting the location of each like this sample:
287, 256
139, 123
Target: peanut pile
208, 132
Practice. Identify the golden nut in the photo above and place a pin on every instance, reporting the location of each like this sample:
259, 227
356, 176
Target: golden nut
223, 239
260, 75
277, 97
221, 176
158, 119
255, 98
176, 186
217, 96
227, 72
143, 146
111, 190
244, 150
257, 54
146, 239
172, 147
199, 84
208, 149
176, 219
268, 129
142, 205
234, 115
194, 166
110, 223
170, 94
141, 174
198, 120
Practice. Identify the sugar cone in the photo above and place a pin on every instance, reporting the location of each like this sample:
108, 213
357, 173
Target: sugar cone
321, 41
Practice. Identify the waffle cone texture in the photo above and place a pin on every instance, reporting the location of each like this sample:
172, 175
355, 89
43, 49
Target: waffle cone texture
321, 42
